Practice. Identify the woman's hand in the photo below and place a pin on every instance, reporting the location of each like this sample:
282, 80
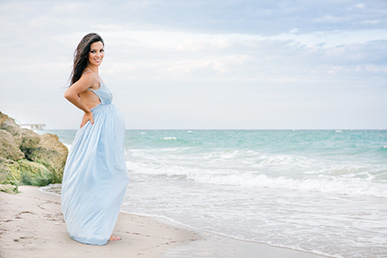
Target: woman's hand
88, 116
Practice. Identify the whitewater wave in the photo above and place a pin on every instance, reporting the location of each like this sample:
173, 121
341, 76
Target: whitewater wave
170, 138
321, 183
349, 186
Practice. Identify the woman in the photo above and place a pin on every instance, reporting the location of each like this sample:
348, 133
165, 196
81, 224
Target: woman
95, 176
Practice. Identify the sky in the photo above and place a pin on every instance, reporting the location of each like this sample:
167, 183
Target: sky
194, 64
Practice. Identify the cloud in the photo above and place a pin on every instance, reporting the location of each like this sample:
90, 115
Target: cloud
206, 62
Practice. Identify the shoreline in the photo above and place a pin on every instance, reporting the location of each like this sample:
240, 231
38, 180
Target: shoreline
32, 222
220, 245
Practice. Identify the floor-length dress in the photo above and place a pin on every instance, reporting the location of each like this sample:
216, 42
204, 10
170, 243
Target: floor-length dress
95, 176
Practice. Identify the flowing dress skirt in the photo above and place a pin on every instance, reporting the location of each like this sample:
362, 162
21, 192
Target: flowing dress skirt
95, 177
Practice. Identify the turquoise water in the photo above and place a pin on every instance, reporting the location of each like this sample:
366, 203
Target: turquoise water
319, 191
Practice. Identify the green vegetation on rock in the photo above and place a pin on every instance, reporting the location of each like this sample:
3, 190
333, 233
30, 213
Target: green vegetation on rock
9, 188
10, 173
33, 173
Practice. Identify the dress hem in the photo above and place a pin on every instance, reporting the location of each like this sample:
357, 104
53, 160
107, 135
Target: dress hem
89, 241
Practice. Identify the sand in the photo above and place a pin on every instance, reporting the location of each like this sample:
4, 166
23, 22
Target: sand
32, 225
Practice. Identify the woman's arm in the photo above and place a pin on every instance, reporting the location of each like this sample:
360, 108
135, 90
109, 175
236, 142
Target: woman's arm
72, 95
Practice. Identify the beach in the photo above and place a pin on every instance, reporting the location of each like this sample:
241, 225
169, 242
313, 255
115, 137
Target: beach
32, 225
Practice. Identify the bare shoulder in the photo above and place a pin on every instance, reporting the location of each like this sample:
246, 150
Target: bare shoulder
87, 76
90, 78
86, 81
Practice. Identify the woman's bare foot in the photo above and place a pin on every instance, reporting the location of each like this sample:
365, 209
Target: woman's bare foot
114, 238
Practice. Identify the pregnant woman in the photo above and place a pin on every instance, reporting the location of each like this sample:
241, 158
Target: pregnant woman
95, 176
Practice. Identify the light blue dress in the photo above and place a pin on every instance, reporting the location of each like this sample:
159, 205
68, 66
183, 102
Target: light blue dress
95, 176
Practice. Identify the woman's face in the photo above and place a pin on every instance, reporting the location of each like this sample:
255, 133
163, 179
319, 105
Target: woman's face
96, 53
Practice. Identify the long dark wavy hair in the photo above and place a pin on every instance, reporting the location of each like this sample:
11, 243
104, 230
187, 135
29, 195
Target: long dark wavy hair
81, 55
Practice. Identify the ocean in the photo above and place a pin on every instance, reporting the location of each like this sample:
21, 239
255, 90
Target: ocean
321, 191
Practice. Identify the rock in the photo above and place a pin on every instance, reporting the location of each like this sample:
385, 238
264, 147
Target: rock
24, 138
9, 172
2, 118
8, 147
9, 125
33, 173
45, 156
9, 188
51, 153
29, 139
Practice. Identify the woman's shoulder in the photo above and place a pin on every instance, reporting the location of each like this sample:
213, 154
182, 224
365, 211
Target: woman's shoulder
89, 75
91, 79
87, 71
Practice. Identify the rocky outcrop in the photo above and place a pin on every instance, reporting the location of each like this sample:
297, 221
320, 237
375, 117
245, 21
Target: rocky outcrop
51, 153
9, 172
29, 139
33, 173
27, 157
9, 148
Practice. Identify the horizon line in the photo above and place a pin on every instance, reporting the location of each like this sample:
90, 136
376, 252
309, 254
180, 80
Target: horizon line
244, 129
